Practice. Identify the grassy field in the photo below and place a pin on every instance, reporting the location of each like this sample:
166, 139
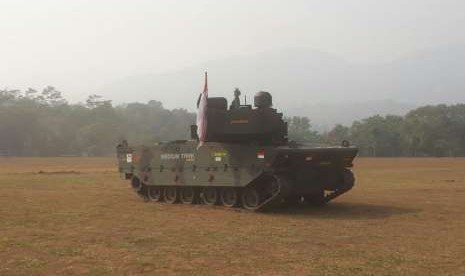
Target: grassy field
73, 216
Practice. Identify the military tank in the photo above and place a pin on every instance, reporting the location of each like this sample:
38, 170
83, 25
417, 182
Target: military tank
246, 161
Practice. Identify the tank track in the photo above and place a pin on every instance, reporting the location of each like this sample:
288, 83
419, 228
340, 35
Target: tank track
264, 194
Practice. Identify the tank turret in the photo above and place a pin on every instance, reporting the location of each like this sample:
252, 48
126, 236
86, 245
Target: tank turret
259, 125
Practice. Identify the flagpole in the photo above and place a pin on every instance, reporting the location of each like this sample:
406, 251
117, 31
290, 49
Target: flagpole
206, 81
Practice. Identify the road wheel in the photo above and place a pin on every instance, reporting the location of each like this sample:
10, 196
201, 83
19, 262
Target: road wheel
209, 196
187, 195
155, 193
250, 198
171, 194
229, 197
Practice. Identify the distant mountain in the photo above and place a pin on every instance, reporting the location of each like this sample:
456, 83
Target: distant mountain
304, 82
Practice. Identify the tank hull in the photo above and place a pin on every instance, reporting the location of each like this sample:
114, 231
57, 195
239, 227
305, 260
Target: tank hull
250, 176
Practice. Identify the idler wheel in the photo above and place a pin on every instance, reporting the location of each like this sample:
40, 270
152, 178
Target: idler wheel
250, 198
171, 194
229, 197
209, 196
187, 195
155, 193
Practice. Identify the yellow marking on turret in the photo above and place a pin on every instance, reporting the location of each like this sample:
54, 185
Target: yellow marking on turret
240, 121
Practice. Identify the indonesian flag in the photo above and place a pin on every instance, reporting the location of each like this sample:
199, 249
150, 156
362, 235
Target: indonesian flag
202, 113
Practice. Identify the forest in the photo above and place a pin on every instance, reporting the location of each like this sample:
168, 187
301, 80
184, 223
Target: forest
43, 123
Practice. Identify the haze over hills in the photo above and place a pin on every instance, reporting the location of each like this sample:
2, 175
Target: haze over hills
325, 115
311, 83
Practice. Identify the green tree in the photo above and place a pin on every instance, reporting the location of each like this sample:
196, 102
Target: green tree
378, 135
300, 130
338, 134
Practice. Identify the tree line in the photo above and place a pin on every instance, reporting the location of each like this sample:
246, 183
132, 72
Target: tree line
433, 130
43, 123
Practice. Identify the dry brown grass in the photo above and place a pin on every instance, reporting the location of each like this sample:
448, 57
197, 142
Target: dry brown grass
404, 217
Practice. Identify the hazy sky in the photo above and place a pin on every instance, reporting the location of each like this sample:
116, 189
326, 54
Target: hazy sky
79, 45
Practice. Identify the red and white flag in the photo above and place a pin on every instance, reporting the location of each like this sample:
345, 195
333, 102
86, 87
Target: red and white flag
202, 113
